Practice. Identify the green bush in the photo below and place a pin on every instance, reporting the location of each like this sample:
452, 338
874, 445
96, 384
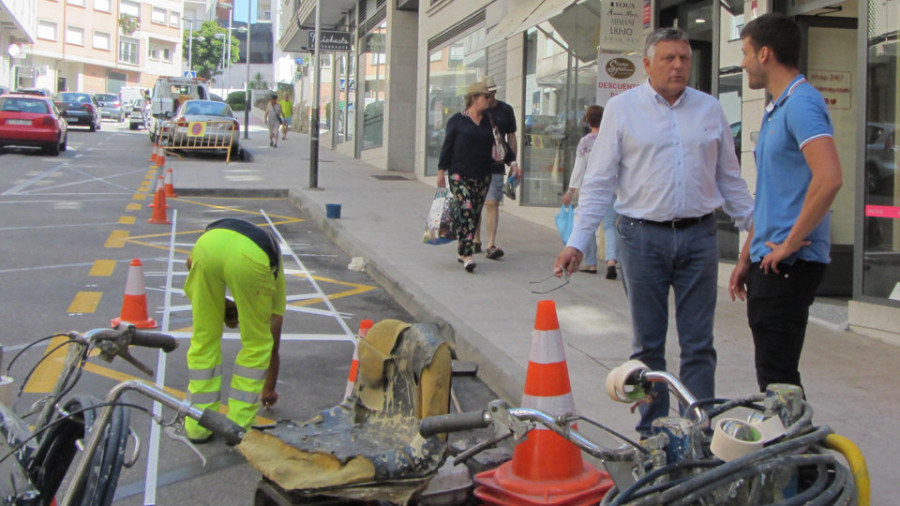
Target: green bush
236, 100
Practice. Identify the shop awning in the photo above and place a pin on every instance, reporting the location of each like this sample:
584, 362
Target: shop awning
522, 15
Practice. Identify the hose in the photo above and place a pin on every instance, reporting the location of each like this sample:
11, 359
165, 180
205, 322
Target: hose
857, 462
656, 473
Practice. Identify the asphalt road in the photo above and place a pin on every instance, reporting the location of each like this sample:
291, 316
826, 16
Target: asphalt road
70, 226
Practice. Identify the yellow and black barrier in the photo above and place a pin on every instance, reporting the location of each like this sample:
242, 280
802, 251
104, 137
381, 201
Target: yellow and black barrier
186, 135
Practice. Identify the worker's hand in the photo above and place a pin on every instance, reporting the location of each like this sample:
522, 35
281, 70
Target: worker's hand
567, 199
269, 398
440, 179
737, 285
231, 313
567, 262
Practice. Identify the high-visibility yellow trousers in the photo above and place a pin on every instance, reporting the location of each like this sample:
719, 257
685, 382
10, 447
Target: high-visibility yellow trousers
223, 258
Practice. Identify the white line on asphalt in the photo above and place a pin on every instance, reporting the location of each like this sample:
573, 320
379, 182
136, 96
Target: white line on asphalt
42, 267
32, 227
25, 184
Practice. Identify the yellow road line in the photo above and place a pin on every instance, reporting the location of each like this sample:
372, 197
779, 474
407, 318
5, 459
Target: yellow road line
139, 196
44, 376
126, 220
116, 239
102, 268
133, 207
85, 302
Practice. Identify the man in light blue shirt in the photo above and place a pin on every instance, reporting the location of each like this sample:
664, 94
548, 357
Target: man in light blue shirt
799, 175
666, 151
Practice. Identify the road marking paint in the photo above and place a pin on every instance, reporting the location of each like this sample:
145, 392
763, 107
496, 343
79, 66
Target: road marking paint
126, 220
85, 302
44, 376
102, 268
139, 196
116, 239
133, 207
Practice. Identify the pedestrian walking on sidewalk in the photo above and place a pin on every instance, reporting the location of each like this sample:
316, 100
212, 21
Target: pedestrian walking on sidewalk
666, 151
592, 117
466, 159
798, 177
287, 112
273, 120
503, 116
246, 259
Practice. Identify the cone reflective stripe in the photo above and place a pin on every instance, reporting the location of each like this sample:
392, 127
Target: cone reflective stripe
153, 153
168, 184
364, 327
159, 209
159, 186
134, 304
545, 469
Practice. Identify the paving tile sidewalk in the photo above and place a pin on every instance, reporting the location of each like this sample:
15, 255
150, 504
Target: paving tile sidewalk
490, 314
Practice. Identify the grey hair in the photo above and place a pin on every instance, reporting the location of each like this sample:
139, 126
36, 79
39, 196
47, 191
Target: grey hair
663, 34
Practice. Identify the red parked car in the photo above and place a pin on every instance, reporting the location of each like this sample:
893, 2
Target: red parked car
31, 120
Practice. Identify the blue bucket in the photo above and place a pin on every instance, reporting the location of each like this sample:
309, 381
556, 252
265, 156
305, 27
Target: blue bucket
333, 211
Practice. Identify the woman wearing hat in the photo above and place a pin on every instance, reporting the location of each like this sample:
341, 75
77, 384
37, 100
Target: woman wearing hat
466, 157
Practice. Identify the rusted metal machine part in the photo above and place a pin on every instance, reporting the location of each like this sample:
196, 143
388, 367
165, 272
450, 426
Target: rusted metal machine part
368, 447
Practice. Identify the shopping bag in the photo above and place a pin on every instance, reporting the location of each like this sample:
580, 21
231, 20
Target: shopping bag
440, 226
509, 187
565, 221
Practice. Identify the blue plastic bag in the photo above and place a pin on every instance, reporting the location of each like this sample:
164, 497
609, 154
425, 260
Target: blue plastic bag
565, 221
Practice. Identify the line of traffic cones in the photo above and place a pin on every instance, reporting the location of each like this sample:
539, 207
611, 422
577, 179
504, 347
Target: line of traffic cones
134, 303
545, 468
364, 327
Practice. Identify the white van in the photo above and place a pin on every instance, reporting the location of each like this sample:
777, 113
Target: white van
169, 93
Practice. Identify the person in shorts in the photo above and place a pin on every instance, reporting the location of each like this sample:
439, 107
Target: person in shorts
504, 118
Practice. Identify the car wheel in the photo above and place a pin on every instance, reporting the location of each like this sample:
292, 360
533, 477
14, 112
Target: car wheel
237, 154
132, 126
121, 118
64, 145
93, 127
52, 149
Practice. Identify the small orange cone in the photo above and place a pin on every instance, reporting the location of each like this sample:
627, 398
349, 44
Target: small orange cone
153, 153
160, 159
160, 182
159, 209
134, 305
169, 183
545, 468
364, 327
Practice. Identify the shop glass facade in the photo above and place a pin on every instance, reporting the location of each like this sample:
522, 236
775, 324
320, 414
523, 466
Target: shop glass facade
451, 69
560, 81
373, 70
881, 232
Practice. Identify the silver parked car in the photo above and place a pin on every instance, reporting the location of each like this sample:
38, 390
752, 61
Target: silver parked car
110, 106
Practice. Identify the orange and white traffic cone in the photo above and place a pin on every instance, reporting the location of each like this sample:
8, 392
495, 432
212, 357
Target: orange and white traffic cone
153, 155
364, 327
545, 468
169, 183
134, 305
160, 162
160, 185
159, 209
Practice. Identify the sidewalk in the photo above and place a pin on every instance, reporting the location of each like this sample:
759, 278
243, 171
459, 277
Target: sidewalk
490, 315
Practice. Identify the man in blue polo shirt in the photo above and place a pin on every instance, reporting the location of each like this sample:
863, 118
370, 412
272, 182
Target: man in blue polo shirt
798, 177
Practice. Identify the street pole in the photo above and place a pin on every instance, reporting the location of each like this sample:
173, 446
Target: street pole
314, 119
190, 43
247, 103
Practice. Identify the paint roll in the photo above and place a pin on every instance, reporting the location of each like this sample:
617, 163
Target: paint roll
7, 391
735, 438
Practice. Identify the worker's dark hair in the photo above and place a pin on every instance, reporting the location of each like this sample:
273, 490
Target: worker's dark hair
777, 32
274, 95
593, 115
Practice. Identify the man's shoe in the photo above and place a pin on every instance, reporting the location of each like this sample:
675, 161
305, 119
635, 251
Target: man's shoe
611, 272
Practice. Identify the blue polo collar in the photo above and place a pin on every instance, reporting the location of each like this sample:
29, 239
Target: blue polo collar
800, 79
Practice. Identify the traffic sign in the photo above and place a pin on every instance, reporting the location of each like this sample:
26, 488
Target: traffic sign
190, 73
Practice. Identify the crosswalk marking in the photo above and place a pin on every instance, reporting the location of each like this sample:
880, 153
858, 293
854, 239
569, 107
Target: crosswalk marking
133, 207
85, 302
116, 239
126, 220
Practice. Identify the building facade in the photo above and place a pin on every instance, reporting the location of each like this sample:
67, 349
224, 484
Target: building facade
17, 33
546, 56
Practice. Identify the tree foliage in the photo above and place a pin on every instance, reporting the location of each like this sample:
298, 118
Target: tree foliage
208, 51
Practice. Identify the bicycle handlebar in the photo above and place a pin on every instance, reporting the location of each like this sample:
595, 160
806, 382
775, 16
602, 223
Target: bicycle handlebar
146, 339
454, 422
221, 425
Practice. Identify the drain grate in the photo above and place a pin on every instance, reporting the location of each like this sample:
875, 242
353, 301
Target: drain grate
390, 177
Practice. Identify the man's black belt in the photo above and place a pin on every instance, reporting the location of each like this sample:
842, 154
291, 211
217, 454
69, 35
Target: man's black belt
677, 223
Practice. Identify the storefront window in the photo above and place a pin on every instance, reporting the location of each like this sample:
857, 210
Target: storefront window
451, 70
881, 259
560, 82
373, 64
346, 94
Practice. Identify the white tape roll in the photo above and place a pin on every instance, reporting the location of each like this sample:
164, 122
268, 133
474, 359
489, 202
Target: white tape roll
771, 427
7, 390
735, 438
616, 380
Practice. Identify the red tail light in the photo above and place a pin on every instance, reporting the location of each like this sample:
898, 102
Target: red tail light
48, 121
89, 108
235, 125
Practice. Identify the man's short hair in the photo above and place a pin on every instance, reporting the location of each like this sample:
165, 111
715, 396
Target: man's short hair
661, 35
777, 32
593, 115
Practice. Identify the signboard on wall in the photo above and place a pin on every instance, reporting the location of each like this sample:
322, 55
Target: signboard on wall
622, 25
617, 73
331, 40
835, 86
